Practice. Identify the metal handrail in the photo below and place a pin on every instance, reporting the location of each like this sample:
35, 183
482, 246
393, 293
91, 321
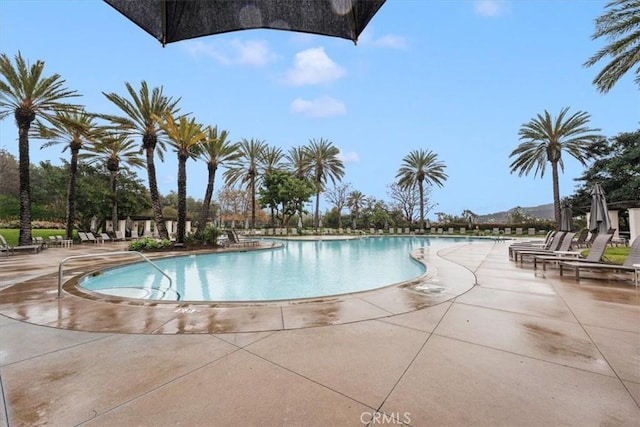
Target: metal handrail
61, 265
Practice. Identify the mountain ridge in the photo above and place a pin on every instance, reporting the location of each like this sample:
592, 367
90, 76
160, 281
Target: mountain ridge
539, 212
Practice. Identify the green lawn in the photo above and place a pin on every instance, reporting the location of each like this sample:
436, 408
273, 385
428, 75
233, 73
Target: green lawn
11, 234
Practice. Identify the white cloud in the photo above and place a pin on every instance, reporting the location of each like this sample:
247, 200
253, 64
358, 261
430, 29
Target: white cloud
313, 66
324, 106
388, 41
253, 53
349, 156
489, 7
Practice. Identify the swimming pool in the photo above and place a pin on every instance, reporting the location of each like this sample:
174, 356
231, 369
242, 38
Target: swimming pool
297, 269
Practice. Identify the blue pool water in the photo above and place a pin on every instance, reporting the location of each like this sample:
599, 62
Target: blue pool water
300, 269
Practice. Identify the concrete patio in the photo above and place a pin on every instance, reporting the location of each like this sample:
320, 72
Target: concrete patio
503, 345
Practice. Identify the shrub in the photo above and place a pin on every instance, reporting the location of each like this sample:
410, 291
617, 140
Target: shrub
148, 243
210, 235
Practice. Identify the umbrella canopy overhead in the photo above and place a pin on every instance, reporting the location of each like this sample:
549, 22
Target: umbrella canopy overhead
566, 216
599, 221
174, 20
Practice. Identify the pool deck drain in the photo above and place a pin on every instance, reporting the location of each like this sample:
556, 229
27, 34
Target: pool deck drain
518, 348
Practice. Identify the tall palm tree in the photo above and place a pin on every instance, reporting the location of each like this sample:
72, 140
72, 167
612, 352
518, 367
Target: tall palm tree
114, 149
418, 167
271, 160
354, 202
620, 25
185, 135
296, 158
245, 169
27, 94
545, 138
322, 163
142, 112
216, 151
76, 131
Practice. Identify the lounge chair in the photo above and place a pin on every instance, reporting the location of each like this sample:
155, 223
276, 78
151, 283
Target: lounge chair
105, 237
595, 253
95, 239
532, 244
39, 240
563, 247
627, 266
4, 247
234, 239
553, 246
581, 240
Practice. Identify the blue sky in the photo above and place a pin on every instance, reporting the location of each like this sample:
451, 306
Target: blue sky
455, 77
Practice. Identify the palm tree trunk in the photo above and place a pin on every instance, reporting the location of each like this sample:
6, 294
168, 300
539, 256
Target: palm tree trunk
253, 201
206, 204
422, 224
71, 194
317, 210
25, 184
155, 195
114, 201
182, 198
556, 194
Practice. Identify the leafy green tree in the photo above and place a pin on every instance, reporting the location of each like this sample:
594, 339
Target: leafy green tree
270, 162
93, 195
245, 169
617, 169
49, 189
355, 202
322, 163
216, 151
9, 176
74, 131
620, 26
284, 192
114, 150
142, 113
375, 213
27, 94
418, 167
545, 138
186, 136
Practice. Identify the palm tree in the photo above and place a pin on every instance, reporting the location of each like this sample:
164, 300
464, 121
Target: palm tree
114, 149
185, 136
142, 112
417, 167
354, 202
620, 25
216, 151
321, 162
296, 157
75, 130
26, 93
245, 169
545, 138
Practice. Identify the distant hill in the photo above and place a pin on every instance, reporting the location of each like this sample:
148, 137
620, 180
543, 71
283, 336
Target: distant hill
540, 212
